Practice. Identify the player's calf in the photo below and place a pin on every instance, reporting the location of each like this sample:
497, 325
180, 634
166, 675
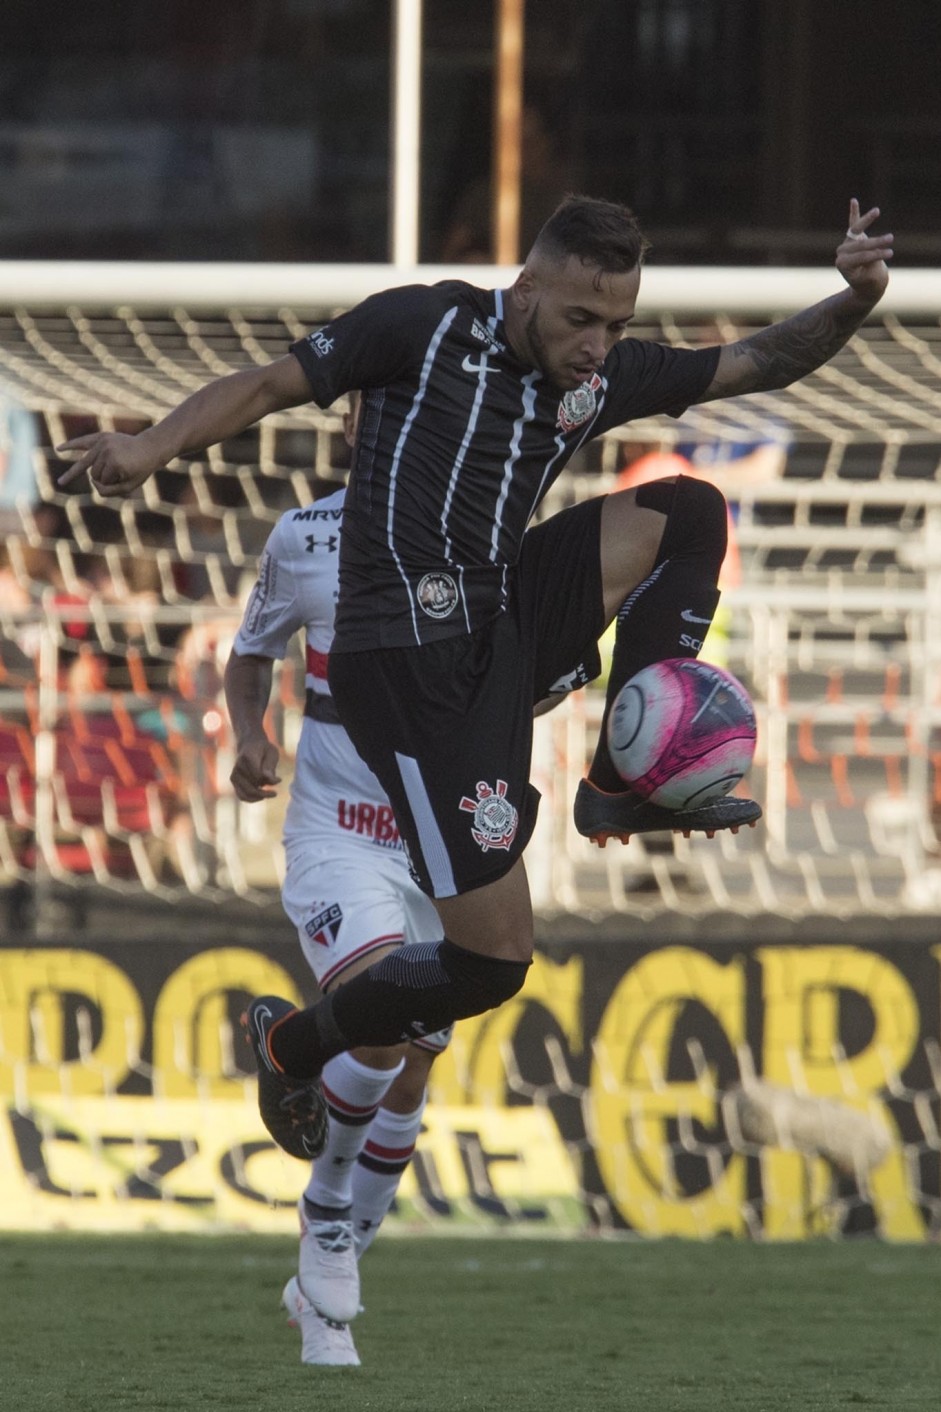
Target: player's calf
667, 615
670, 612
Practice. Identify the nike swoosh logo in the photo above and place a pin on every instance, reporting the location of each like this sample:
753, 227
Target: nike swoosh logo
470, 366
689, 616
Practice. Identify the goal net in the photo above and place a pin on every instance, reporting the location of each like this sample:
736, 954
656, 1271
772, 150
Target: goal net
666, 1084
117, 618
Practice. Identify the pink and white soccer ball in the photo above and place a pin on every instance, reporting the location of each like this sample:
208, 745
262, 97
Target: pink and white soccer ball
682, 733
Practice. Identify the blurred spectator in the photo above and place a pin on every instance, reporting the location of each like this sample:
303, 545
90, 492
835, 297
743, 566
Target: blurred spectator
210, 575
738, 465
18, 442
200, 660
14, 594
87, 674
15, 662
50, 581
42, 526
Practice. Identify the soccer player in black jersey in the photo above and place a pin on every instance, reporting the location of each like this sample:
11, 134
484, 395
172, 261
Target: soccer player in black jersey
453, 617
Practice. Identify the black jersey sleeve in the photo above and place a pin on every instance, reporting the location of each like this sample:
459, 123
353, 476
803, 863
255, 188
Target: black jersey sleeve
373, 344
647, 378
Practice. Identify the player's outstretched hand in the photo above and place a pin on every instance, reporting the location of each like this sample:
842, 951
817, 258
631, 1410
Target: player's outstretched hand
255, 772
861, 256
116, 463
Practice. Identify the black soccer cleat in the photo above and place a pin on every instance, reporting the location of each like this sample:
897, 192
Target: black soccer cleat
600, 816
293, 1110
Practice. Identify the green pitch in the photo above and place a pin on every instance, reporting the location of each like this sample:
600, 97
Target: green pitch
126, 1323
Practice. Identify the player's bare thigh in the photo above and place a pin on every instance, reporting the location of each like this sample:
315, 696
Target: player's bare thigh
497, 919
494, 920
630, 539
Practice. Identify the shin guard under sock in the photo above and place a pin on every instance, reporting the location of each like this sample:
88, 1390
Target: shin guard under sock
413, 991
669, 614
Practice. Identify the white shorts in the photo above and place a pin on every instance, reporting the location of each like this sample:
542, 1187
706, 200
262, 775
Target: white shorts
352, 899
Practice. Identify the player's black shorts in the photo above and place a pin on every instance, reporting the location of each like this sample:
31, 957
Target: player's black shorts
447, 726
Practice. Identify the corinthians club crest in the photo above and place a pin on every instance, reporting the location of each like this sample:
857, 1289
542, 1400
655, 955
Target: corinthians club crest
579, 405
437, 595
495, 818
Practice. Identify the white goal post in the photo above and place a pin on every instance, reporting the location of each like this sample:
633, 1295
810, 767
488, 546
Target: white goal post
692, 289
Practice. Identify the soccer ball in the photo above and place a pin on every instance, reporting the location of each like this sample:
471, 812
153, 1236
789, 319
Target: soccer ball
682, 733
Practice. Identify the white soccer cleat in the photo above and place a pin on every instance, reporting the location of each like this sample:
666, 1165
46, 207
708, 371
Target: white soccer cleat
328, 1272
323, 1341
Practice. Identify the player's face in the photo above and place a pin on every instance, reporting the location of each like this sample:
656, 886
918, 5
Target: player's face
570, 316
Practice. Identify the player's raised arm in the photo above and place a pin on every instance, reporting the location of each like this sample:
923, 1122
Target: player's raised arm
781, 354
117, 463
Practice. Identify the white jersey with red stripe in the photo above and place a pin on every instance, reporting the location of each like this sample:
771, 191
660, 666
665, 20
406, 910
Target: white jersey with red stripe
347, 887
333, 791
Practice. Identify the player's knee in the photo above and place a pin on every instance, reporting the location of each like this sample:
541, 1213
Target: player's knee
705, 506
384, 1058
482, 982
697, 518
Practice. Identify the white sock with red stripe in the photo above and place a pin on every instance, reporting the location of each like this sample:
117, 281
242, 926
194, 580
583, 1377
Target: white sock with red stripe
379, 1169
353, 1093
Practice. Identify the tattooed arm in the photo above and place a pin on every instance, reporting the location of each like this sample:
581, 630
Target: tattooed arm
781, 354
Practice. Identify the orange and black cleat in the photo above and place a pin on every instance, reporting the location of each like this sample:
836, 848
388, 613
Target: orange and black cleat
293, 1110
601, 816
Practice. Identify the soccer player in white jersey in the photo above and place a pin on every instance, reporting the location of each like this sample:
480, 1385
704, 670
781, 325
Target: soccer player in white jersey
348, 892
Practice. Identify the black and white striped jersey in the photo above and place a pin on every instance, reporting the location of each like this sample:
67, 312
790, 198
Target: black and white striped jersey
458, 443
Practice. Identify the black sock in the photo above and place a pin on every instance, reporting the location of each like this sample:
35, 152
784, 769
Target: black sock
414, 991
669, 614
315, 1212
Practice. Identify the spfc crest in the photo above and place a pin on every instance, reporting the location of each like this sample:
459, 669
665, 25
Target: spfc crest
323, 927
579, 406
495, 818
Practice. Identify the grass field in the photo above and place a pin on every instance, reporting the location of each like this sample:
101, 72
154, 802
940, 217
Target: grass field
124, 1323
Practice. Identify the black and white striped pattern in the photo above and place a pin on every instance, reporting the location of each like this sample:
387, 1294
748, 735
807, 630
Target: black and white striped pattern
459, 442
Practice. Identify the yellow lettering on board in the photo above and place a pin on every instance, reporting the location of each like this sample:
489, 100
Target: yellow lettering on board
192, 1164
632, 1099
194, 1044
516, 1156
473, 1069
35, 990
803, 1050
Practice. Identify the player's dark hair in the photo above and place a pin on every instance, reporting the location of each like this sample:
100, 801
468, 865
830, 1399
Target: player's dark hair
600, 233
